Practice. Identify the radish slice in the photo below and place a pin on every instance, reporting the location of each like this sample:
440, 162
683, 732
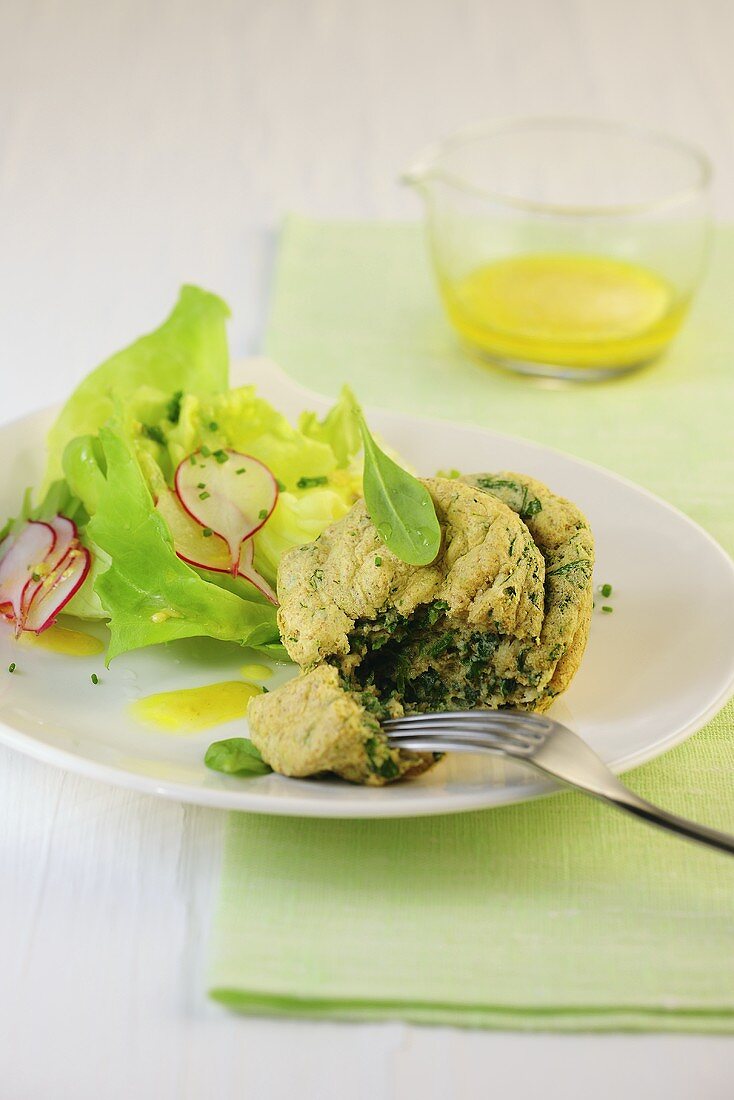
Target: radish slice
230, 493
57, 589
25, 552
189, 540
249, 572
66, 536
207, 552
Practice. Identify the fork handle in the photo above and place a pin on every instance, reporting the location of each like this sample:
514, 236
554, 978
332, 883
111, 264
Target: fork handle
654, 815
617, 795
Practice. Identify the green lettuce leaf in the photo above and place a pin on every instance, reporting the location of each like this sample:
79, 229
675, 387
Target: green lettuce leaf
115, 447
187, 353
317, 471
149, 594
339, 429
245, 422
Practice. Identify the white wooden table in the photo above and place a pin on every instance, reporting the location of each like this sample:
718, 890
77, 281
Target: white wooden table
145, 144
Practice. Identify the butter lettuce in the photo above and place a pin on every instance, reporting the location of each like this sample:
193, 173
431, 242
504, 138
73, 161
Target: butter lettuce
114, 450
187, 353
318, 477
339, 429
150, 595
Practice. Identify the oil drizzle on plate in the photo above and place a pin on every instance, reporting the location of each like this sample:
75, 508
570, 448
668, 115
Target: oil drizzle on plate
257, 673
60, 639
190, 709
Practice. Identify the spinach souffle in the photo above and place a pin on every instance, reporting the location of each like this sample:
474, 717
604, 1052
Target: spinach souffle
500, 618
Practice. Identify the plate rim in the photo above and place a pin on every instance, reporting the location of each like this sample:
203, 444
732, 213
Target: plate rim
432, 805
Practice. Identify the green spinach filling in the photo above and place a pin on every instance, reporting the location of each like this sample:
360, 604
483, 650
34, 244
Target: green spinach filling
428, 662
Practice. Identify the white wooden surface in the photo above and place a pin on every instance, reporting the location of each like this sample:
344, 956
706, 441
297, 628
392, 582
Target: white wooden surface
144, 144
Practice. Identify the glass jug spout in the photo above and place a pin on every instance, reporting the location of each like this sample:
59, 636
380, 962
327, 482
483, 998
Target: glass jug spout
422, 176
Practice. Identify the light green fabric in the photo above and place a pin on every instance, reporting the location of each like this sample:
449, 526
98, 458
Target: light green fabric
558, 914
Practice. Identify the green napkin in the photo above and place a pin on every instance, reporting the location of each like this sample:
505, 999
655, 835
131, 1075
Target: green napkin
558, 914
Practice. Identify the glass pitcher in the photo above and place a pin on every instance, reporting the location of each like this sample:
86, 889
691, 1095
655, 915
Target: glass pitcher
568, 248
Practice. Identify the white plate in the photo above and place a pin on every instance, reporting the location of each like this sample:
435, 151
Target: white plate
655, 671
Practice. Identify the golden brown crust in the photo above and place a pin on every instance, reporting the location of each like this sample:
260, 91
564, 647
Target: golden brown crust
562, 534
488, 571
311, 725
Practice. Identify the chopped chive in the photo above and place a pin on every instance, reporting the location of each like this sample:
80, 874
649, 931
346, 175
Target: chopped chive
378, 560
35, 577
311, 482
207, 532
607, 609
201, 485
11, 666
241, 470
263, 513
173, 408
606, 590
204, 496
152, 431
281, 486
213, 426
205, 450
192, 459
221, 456
95, 678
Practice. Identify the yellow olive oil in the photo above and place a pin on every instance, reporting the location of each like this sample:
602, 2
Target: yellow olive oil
571, 309
258, 673
60, 639
192, 709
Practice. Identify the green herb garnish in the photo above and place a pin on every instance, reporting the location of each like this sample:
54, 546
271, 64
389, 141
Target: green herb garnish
221, 456
152, 431
94, 678
399, 506
569, 567
12, 666
205, 450
241, 470
263, 513
207, 532
606, 590
204, 496
213, 426
281, 486
378, 560
311, 482
235, 756
173, 408
316, 579
201, 485
607, 609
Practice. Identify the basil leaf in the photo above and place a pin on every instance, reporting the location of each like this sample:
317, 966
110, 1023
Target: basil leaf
399, 506
235, 756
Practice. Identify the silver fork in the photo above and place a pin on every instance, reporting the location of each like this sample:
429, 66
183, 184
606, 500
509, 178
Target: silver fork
548, 747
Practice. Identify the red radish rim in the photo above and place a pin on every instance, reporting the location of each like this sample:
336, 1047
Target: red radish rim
199, 565
216, 569
269, 594
18, 612
25, 599
38, 585
83, 553
190, 561
261, 524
